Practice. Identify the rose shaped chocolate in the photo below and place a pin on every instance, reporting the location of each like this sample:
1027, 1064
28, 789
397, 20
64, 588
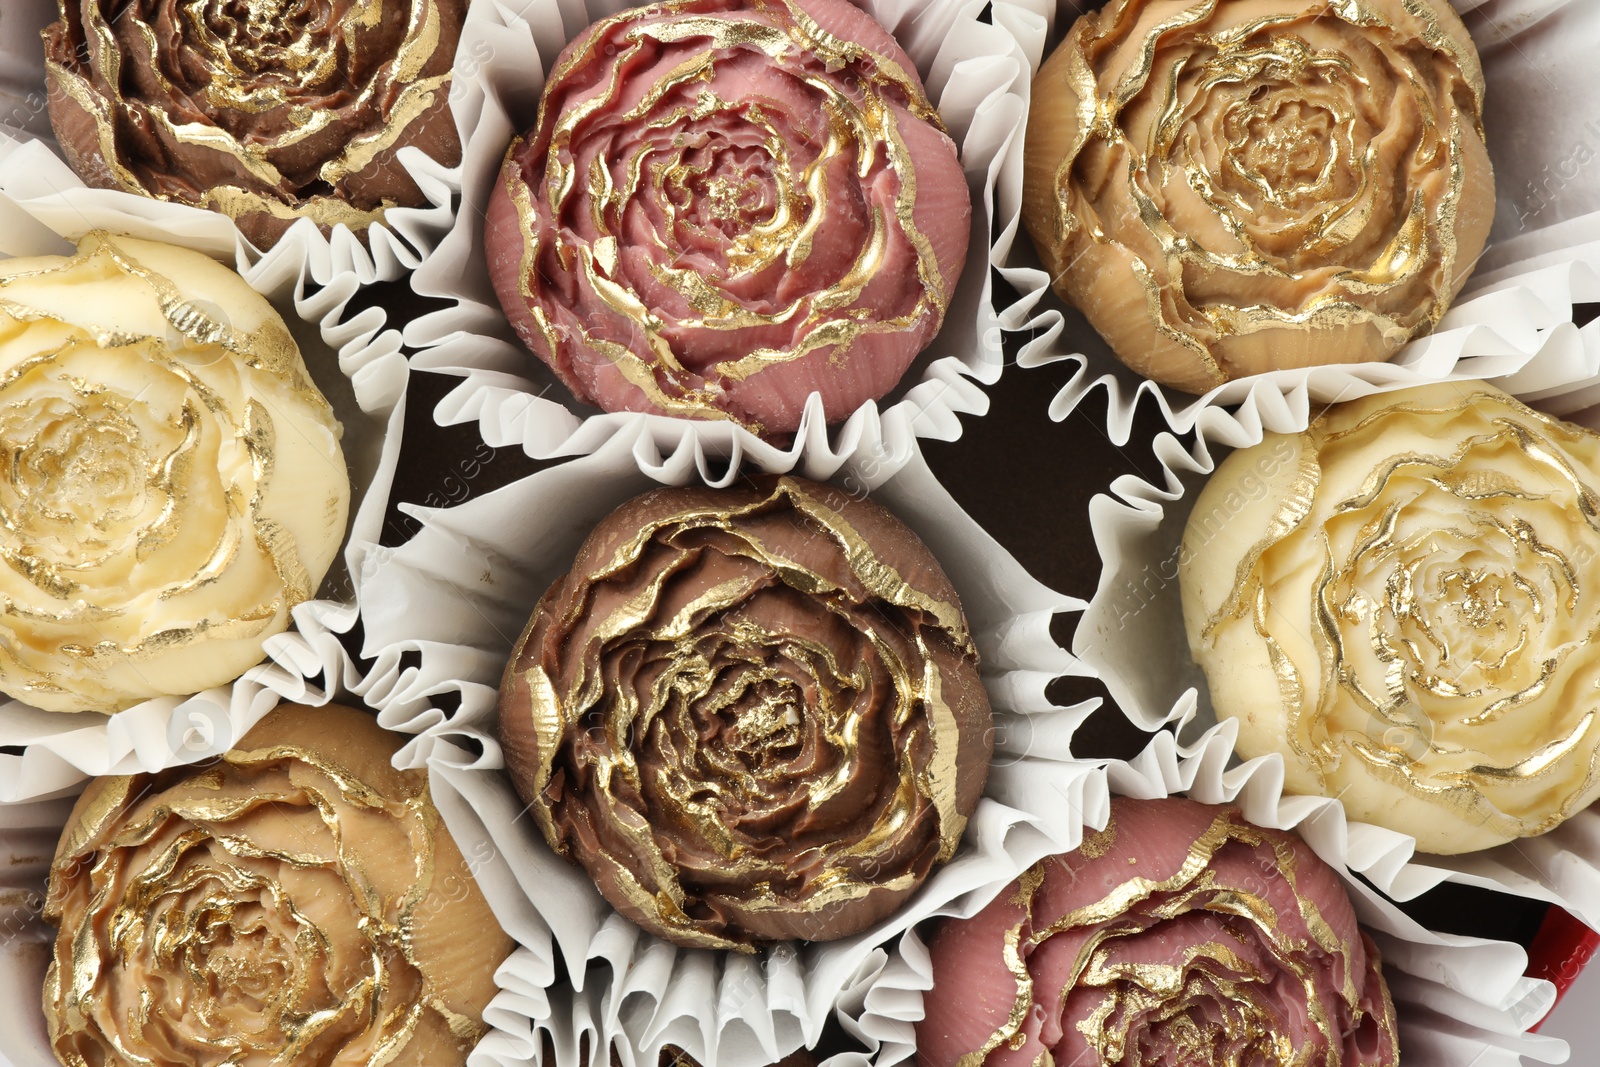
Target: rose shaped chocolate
1179, 936
751, 714
726, 206
171, 482
1226, 188
299, 901
1404, 601
267, 111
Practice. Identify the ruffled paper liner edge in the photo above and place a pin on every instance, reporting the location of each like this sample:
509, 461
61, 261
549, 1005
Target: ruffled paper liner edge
434, 606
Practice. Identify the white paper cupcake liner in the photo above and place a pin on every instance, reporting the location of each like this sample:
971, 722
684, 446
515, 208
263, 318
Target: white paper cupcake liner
1133, 635
33, 172
358, 364
1460, 1001
1543, 256
974, 73
1539, 57
28, 836
447, 606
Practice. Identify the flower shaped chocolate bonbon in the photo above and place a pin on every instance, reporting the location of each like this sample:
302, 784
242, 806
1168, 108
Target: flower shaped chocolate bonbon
726, 206
171, 482
265, 111
1226, 187
299, 901
1409, 611
1181, 935
751, 714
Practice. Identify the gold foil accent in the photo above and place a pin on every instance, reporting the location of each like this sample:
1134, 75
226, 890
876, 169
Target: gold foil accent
278, 73
1240, 173
1453, 608
265, 909
1097, 843
858, 120
780, 693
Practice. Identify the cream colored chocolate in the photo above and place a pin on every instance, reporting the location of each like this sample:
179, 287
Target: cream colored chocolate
171, 481
298, 902
1230, 188
1404, 601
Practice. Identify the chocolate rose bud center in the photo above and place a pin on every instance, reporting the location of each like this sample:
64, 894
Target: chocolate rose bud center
1216, 1005
1282, 149
256, 30
243, 949
1459, 621
261, 32
81, 469
737, 191
748, 722
86, 473
1281, 117
754, 711
724, 199
240, 946
261, 55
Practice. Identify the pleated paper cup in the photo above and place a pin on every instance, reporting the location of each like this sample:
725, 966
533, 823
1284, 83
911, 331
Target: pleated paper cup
451, 601
1517, 316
